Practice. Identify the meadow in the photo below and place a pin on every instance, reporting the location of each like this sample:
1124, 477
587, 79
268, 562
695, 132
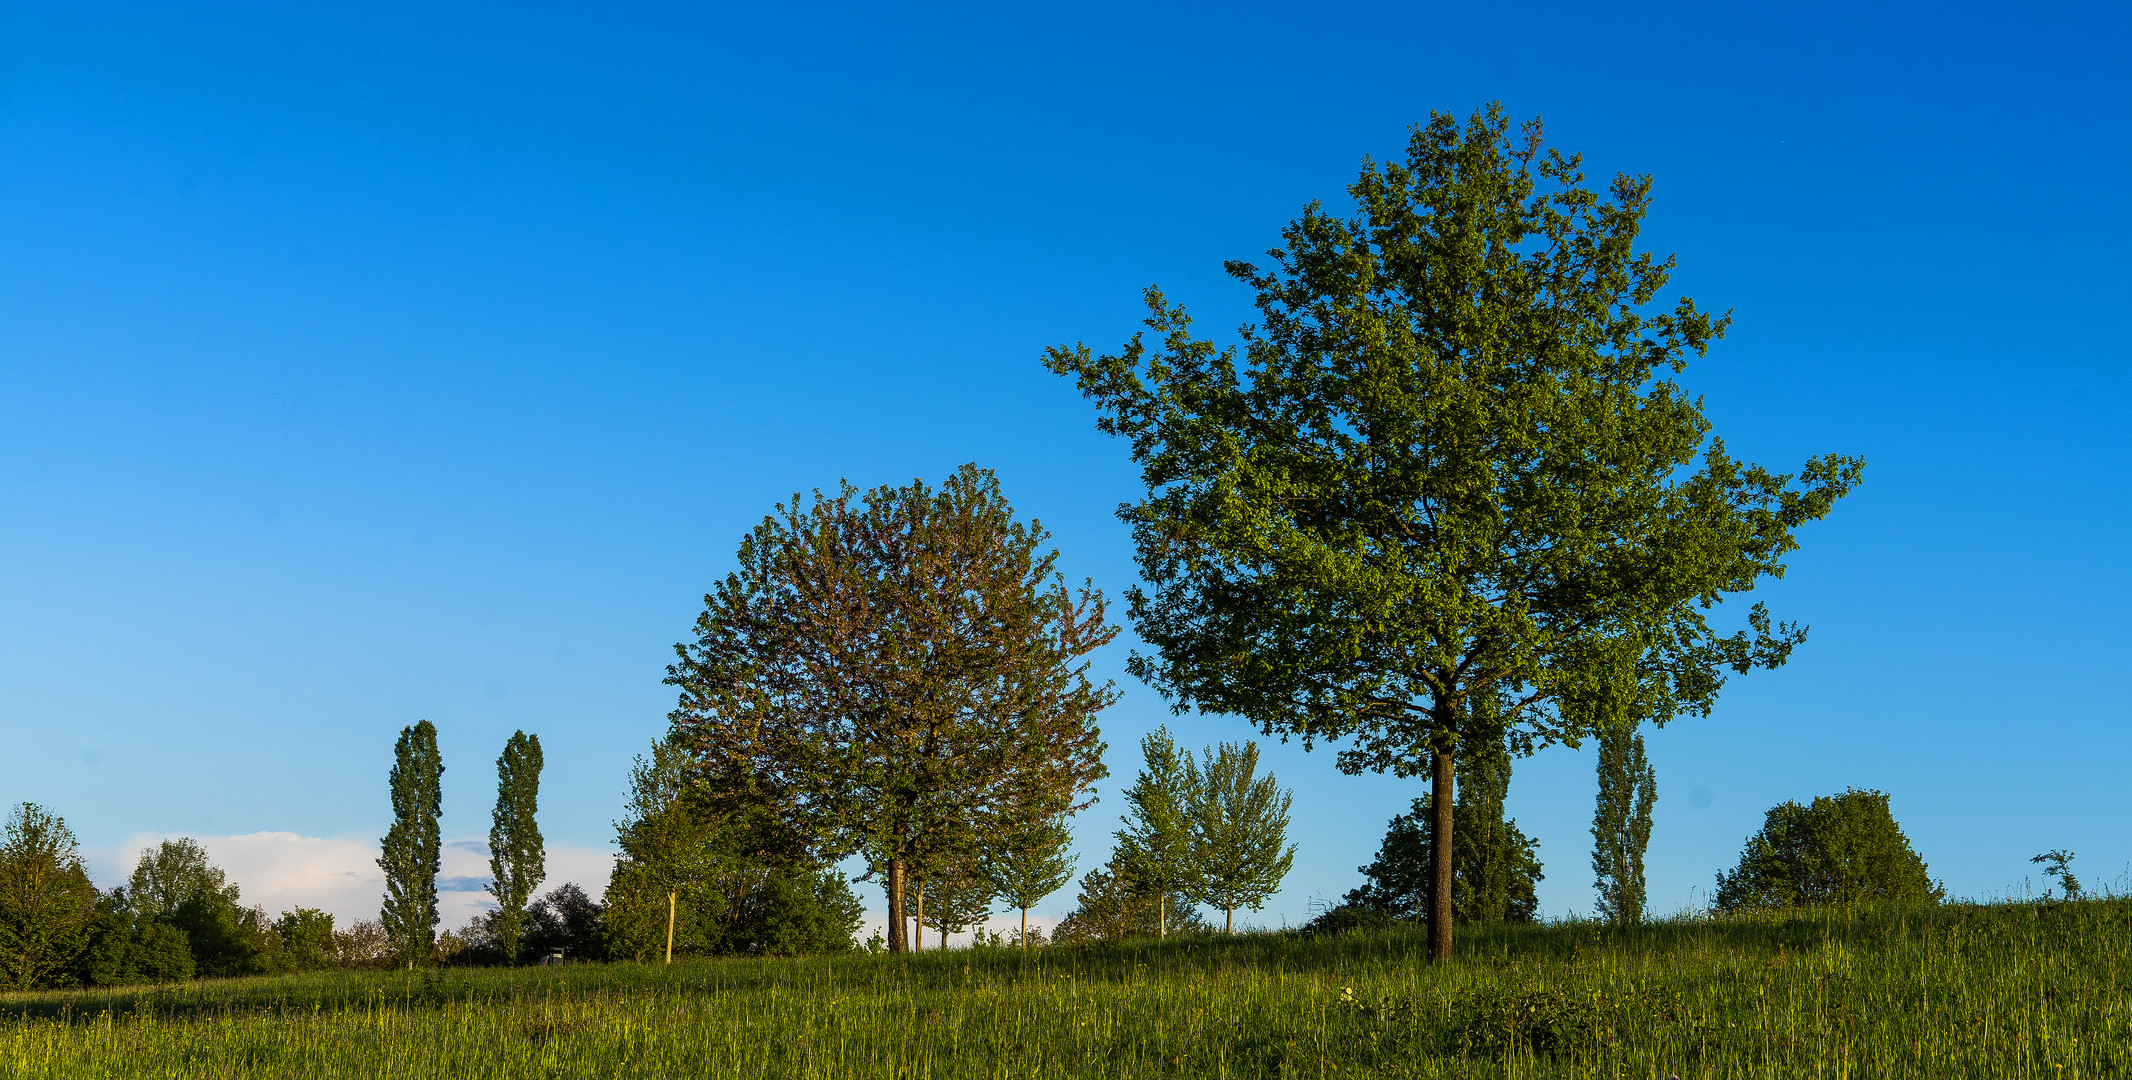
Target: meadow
2030, 989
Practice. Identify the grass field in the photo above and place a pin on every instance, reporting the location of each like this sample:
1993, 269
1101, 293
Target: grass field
2014, 990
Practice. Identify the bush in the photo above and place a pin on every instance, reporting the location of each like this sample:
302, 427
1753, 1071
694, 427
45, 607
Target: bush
795, 912
1840, 850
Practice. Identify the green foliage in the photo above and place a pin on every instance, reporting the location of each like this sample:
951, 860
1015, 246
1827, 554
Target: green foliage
47, 904
1621, 823
1155, 849
569, 921
955, 898
1239, 832
796, 913
413, 848
307, 938
675, 859
898, 673
1491, 882
518, 860
128, 947
2059, 864
177, 885
1450, 482
1838, 851
1112, 906
176, 874
1023, 864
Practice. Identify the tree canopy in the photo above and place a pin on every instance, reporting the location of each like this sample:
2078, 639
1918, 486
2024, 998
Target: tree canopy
895, 673
518, 858
1836, 851
1450, 478
413, 849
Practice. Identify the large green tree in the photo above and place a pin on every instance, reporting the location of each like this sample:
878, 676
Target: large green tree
895, 674
1239, 819
1836, 851
47, 904
518, 858
177, 884
1156, 845
1450, 481
413, 848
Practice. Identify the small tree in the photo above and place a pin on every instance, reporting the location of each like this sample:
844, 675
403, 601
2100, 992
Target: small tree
1156, 846
1027, 863
1621, 824
1490, 884
1239, 826
671, 849
307, 935
1837, 851
2058, 863
413, 848
957, 898
518, 859
47, 904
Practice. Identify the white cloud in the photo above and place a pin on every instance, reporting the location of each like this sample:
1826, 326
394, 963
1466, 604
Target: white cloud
282, 870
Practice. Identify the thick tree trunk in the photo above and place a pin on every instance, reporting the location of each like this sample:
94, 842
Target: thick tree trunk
1441, 864
897, 942
669, 926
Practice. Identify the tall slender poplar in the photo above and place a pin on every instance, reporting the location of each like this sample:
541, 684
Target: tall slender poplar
413, 849
518, 860
1621, 823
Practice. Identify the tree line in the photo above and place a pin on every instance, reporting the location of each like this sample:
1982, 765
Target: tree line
1445, 503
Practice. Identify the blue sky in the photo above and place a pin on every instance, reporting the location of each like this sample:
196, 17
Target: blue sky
369, 365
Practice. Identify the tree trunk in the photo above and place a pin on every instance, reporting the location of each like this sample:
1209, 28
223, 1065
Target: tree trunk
1025, 928
1441, 864
669, 926
897, 928
918, 938
1228, 920
1162, 916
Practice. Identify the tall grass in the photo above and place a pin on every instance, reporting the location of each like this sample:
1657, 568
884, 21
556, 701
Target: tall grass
2010, 990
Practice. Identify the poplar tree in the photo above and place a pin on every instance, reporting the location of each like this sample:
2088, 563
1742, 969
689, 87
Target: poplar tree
518, 860
1027, 863
1155, 848
1239, 836
897, 674
1621, 823
413, 849
1450, 482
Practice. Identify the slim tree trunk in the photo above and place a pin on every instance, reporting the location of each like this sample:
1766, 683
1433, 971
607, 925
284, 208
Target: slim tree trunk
918, 939
670, 926
1162, 915
897, 928
1025, 928
1441, 864
1228, 921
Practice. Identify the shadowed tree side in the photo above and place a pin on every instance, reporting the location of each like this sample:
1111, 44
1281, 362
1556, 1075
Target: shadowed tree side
413, 848
1450, 484
518, 859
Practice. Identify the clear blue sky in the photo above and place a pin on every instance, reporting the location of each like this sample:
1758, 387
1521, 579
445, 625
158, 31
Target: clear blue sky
364, 366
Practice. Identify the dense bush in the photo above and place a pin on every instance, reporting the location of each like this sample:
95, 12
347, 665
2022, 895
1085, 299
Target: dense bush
1839, 850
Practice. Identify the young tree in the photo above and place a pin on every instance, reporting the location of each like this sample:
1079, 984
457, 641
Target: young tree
1621, 825
1026, 863
1156, 845
1239, 826
671, 850
1449, 483
1112, 906
1834, 852
896, 674
956, 899
413, 849
307, 935
1492, 882
518, 860
47, 904
2058, 863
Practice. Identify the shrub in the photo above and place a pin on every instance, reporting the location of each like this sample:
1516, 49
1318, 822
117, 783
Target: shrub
1840, 850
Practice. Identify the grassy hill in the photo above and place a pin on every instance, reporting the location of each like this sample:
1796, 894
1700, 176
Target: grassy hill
2010, 990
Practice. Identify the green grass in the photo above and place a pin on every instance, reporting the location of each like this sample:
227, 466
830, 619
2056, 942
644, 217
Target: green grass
2020, 990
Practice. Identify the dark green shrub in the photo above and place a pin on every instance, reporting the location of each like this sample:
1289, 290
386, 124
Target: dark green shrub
1840, 850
